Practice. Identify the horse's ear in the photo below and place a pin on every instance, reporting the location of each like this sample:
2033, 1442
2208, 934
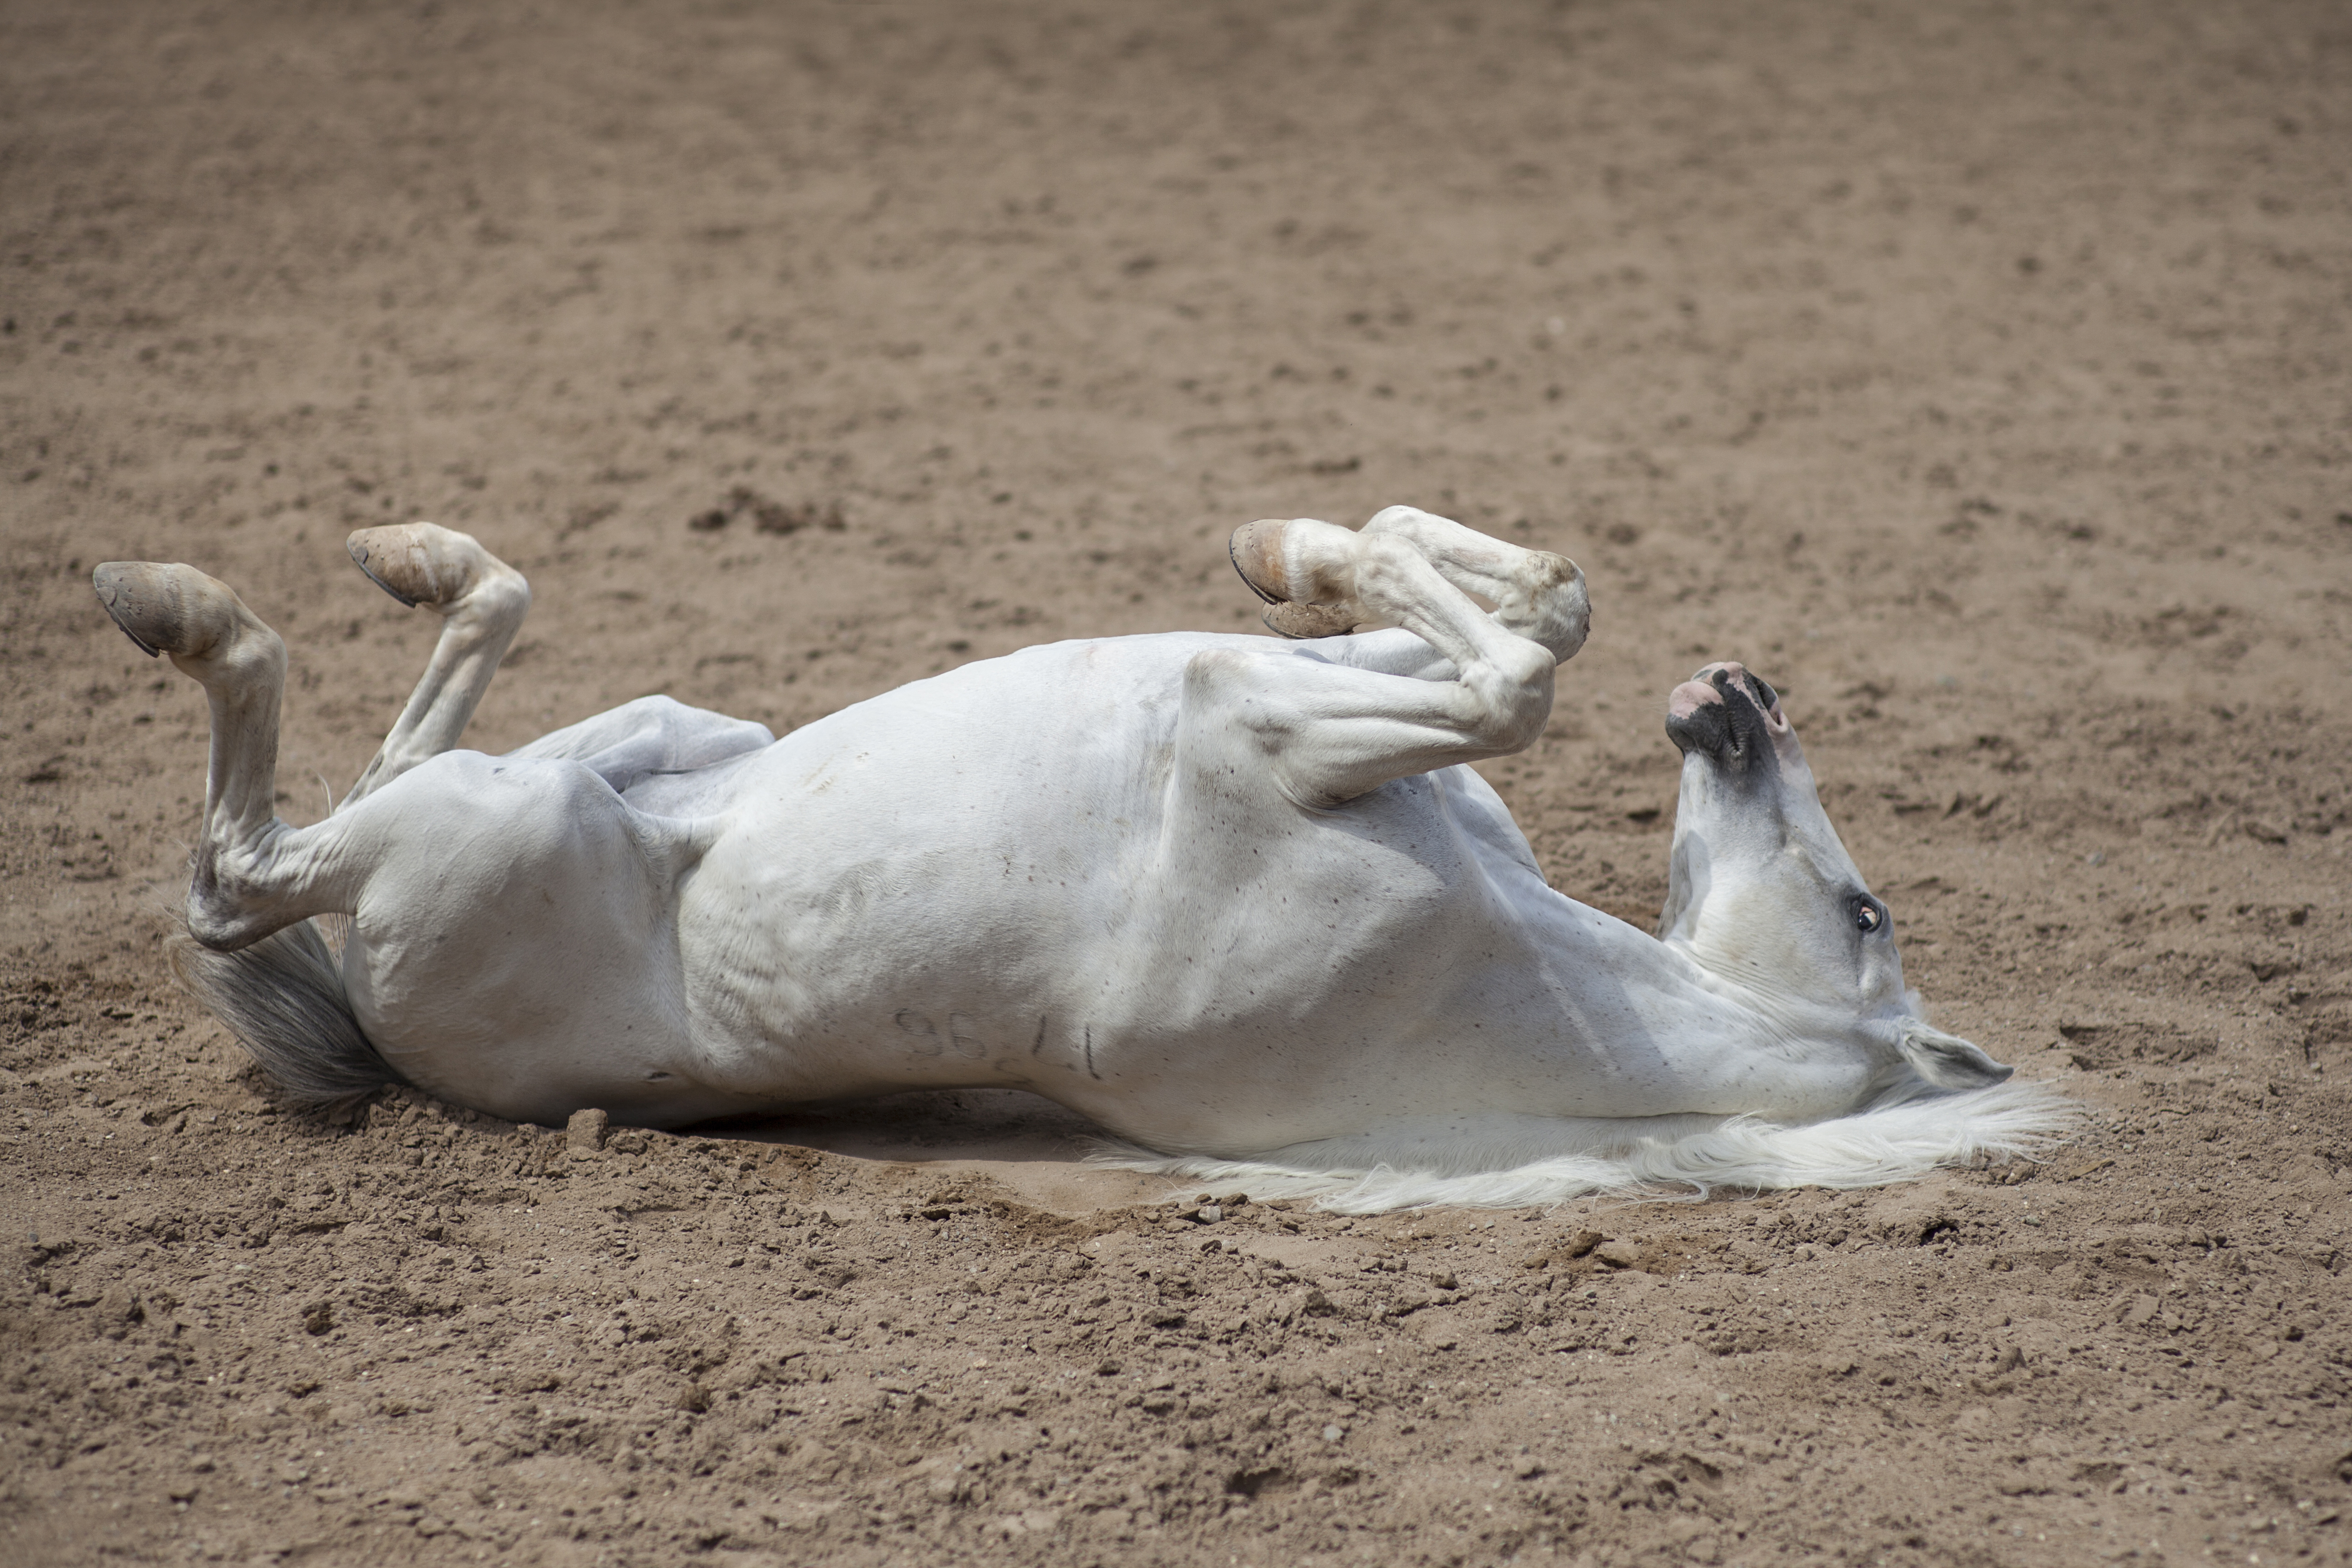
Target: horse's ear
1946, 1061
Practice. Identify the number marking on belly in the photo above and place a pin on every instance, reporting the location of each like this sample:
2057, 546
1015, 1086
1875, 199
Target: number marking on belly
925, 1032
966, 1043
963, 1034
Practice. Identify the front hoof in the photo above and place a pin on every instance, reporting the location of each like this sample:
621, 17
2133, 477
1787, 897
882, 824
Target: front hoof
423, 563
1257, 553
1304, 622
167, 608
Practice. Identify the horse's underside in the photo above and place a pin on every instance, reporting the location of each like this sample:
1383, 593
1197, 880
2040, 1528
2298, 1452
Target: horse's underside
1237, 901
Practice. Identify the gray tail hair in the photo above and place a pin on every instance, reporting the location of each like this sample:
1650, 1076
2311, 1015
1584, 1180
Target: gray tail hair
283, 998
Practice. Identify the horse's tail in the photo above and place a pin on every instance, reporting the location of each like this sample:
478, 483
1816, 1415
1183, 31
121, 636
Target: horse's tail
283, 998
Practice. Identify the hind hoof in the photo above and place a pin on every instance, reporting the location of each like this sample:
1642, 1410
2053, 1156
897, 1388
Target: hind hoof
425, 563
167, 608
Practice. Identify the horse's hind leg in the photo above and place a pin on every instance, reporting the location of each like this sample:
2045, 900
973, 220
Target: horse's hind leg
224, 648
481, 601
249, 953
247, 877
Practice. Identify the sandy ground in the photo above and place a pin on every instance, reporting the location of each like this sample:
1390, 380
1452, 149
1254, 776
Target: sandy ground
1979, 372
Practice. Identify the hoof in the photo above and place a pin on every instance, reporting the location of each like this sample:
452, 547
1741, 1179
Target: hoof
1256, 552
423, 563
1303, 623
167, 609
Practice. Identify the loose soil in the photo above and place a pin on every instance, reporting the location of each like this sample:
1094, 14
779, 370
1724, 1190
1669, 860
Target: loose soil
1979, 372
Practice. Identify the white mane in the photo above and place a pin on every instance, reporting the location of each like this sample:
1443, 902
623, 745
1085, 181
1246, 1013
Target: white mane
1907, 1134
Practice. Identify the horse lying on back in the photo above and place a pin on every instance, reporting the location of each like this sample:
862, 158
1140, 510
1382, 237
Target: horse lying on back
1239, 901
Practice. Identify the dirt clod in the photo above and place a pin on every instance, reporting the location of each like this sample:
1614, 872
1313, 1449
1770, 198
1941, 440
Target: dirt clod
584, 1135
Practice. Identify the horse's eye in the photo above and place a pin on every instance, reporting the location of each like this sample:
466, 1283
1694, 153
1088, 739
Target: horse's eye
1867, 916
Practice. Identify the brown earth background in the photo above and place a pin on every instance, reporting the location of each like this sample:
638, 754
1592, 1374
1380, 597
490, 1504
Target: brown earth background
1979, 371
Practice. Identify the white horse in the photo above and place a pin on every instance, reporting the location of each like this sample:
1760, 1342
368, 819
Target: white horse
1237, 901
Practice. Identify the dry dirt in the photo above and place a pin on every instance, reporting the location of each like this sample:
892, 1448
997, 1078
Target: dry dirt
1982, 373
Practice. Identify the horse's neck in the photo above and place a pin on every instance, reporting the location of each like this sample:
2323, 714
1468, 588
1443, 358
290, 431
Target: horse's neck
1707, 1039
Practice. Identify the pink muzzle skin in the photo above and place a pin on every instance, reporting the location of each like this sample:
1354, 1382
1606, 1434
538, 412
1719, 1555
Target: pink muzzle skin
1689, 698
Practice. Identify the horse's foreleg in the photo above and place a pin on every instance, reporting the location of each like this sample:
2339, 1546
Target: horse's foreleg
481, 601
1537, 594
1307, 570
1333, 730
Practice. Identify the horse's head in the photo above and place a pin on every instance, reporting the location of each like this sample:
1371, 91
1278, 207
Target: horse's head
1763, 895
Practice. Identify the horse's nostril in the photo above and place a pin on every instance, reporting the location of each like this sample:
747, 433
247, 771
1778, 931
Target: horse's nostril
1765, 691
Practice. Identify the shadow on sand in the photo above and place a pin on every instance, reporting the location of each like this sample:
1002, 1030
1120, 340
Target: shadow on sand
1032, 1147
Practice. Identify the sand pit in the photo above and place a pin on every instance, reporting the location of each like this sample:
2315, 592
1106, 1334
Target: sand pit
1979, 375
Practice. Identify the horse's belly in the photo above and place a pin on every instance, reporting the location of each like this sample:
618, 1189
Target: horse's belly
1079, 935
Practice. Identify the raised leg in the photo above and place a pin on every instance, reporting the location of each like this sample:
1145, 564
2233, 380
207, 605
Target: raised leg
1537, 594
481, 601
224, 648
1333, 730
243, 668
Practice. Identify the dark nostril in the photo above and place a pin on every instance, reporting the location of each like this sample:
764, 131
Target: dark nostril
1764, 690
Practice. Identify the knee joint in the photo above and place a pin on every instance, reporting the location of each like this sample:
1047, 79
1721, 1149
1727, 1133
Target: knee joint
1385, 564
1515, 693
1394, 519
